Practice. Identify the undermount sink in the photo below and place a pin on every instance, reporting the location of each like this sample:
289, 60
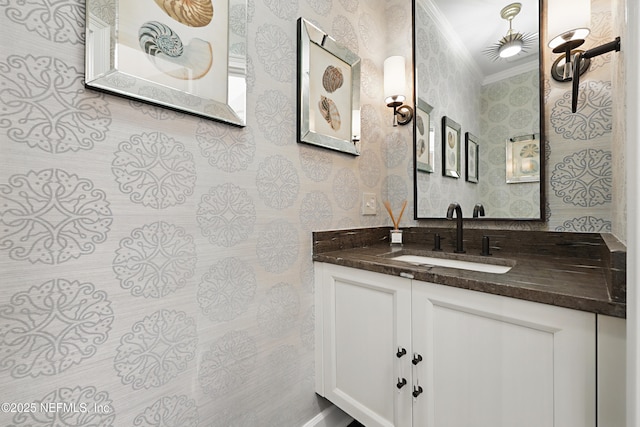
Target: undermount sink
427, 261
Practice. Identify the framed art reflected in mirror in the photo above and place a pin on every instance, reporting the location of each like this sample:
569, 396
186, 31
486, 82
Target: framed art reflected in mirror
424, 144
472, 154
450, 148
523, 159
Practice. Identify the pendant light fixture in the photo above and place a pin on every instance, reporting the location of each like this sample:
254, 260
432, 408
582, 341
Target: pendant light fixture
513, 42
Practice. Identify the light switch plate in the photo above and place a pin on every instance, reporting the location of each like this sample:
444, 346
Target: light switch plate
369, 204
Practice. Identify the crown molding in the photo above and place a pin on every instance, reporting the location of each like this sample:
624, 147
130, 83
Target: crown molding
455, 44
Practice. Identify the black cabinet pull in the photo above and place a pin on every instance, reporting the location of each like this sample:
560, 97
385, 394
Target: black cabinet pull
416, 358
401, 352
401, 383
417, 391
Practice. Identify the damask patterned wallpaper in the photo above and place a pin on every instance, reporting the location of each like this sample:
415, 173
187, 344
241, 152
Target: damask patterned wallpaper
580, 161
509, 109
156, 267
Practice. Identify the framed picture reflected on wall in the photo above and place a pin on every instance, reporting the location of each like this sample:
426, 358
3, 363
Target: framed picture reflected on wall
472, 151
328, 91
424, 144
450, 148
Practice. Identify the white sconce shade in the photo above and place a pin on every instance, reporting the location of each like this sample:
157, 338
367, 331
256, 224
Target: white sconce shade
394, 79
565, 16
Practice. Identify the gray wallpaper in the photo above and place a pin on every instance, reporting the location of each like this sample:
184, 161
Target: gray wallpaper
509, 109
156, 267
579, 146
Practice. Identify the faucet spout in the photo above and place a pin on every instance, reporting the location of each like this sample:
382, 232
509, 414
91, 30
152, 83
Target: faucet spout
478, 210
455, 208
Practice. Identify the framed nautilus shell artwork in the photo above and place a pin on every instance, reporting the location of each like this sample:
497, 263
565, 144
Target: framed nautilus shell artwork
187, 55
450, 148
328, 91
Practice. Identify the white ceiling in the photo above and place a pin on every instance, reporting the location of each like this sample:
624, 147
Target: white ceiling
478, 25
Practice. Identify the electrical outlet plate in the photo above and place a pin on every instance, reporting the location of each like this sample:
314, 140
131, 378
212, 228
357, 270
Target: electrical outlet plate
369, 204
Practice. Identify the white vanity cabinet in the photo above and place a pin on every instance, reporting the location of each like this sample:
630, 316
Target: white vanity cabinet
472, 359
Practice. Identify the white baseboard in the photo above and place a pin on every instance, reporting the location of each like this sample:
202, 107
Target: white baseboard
330, 417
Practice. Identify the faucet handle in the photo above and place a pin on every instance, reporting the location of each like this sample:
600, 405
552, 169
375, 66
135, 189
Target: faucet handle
485, 246
436, 242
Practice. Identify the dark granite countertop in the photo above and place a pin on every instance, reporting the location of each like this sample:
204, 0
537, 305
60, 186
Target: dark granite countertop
582, 271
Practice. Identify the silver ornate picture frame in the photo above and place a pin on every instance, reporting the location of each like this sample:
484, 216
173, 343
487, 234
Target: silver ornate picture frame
328, 91
193, 61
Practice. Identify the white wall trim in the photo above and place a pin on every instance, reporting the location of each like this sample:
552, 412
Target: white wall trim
630, 48
330, 417
511, 72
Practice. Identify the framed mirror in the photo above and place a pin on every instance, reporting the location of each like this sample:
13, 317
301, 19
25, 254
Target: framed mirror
463, 71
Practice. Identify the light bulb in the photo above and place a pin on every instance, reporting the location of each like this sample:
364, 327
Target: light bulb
510, 48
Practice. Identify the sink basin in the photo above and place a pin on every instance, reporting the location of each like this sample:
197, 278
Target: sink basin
453, 263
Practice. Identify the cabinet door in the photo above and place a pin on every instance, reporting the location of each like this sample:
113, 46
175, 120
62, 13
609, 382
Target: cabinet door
363, 318
501, 362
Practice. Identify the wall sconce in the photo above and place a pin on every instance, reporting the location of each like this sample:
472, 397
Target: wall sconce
576, 15
394, 86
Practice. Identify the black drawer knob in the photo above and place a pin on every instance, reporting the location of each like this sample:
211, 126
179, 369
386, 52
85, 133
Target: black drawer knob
417, 391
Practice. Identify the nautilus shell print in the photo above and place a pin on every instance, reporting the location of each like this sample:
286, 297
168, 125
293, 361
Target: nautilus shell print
451, 139
329, 112
194, 13
167, 52
332, 79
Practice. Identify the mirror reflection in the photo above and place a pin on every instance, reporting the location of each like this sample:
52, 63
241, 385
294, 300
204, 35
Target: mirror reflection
477, 64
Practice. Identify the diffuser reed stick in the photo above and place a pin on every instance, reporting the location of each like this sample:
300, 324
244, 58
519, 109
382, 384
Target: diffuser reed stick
395, 221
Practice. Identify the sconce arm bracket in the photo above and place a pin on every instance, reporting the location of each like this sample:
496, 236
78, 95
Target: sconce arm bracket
403, 114
602, 49
596, 51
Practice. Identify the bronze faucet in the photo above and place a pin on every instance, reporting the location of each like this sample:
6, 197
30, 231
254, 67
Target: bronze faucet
458, 210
